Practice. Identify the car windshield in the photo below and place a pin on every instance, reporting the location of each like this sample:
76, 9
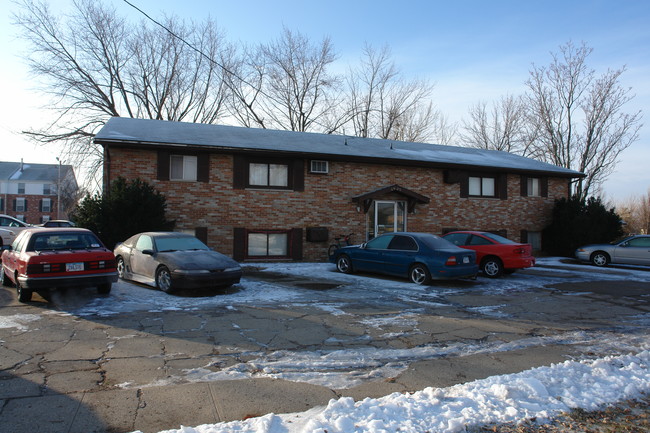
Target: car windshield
499, 239
63, 241
179, 243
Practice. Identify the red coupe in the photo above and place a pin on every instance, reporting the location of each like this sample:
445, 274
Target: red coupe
495, 254
44, 258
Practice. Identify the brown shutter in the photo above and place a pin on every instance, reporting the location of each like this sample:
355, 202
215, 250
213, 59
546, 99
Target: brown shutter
298, 175
203, 167
464, 185
163, 165
239, 244
544, 186
524, 236
502, 185
201, 234
296, 244
524, 186
239, 166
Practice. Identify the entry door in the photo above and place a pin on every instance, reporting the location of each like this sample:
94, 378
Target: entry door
388, 217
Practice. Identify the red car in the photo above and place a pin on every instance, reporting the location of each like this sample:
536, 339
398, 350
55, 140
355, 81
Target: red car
44, 258
495, 254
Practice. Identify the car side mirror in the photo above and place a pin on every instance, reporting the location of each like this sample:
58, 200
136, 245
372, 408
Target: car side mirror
364, 245
148, 252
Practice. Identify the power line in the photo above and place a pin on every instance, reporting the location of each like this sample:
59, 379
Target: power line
210, 59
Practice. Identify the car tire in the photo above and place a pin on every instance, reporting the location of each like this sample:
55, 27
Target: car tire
600, 259
164, 279
492, 267
344, 264
104, 289
419, 274
120, 267
24, 295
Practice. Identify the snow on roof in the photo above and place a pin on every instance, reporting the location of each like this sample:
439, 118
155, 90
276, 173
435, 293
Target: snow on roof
27, 172
233, 138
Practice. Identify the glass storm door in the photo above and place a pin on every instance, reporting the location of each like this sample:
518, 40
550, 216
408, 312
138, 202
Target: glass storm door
387, 217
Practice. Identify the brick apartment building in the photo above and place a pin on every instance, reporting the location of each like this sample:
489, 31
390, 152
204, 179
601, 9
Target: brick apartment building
36, 193
261, 194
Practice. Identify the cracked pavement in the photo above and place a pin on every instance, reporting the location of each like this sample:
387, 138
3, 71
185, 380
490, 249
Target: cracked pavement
65, 369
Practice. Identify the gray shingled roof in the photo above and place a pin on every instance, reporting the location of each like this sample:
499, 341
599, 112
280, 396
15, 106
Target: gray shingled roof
128, 131
32, 172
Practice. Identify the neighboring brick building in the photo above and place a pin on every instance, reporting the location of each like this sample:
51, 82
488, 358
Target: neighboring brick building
36, 193
261, 194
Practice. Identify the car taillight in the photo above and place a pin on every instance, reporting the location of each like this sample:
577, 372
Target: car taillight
451, 261
41, 268
520, 250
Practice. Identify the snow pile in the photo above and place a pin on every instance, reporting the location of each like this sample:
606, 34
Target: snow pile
19, 321
538, 393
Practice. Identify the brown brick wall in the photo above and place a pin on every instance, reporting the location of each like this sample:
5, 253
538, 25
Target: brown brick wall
33, 215
327, 201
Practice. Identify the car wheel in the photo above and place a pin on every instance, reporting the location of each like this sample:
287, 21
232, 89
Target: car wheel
600, 258
104, 289
164, 279
419, 274
120, 267
492, 267
344, 264
24, 295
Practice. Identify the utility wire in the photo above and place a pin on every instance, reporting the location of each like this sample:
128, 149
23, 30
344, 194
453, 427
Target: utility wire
210, 59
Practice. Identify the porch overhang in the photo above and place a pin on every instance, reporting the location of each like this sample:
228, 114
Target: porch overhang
364, 201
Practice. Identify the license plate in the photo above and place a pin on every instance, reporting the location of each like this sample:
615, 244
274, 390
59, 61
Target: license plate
74, 267
465, 259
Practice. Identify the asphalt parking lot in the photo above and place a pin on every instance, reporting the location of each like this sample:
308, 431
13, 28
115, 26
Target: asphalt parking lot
294, 336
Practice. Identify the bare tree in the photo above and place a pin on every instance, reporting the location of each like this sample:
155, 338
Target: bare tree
635, 211
579, 118
95, 65
504, 127
381, 104
298, 90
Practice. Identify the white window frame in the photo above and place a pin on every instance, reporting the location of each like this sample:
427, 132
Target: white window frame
268, 175
267, 244
20, 205
482, 186
47, 189
44, 218
319, 166
21, 188
49, 205
533, 187
188, 167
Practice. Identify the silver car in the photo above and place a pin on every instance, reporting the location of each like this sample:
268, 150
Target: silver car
634, 250
171, 260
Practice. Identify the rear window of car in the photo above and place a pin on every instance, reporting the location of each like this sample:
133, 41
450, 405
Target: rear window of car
436, 242
63, 241
499, 239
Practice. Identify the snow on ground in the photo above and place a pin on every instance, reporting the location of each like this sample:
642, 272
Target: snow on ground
539, 393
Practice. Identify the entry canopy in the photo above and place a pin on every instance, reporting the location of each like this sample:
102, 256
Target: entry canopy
412, 197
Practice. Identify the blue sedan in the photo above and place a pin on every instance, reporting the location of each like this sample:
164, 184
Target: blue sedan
420, 257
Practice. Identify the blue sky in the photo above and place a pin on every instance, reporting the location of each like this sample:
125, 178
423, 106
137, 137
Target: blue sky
472, 50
